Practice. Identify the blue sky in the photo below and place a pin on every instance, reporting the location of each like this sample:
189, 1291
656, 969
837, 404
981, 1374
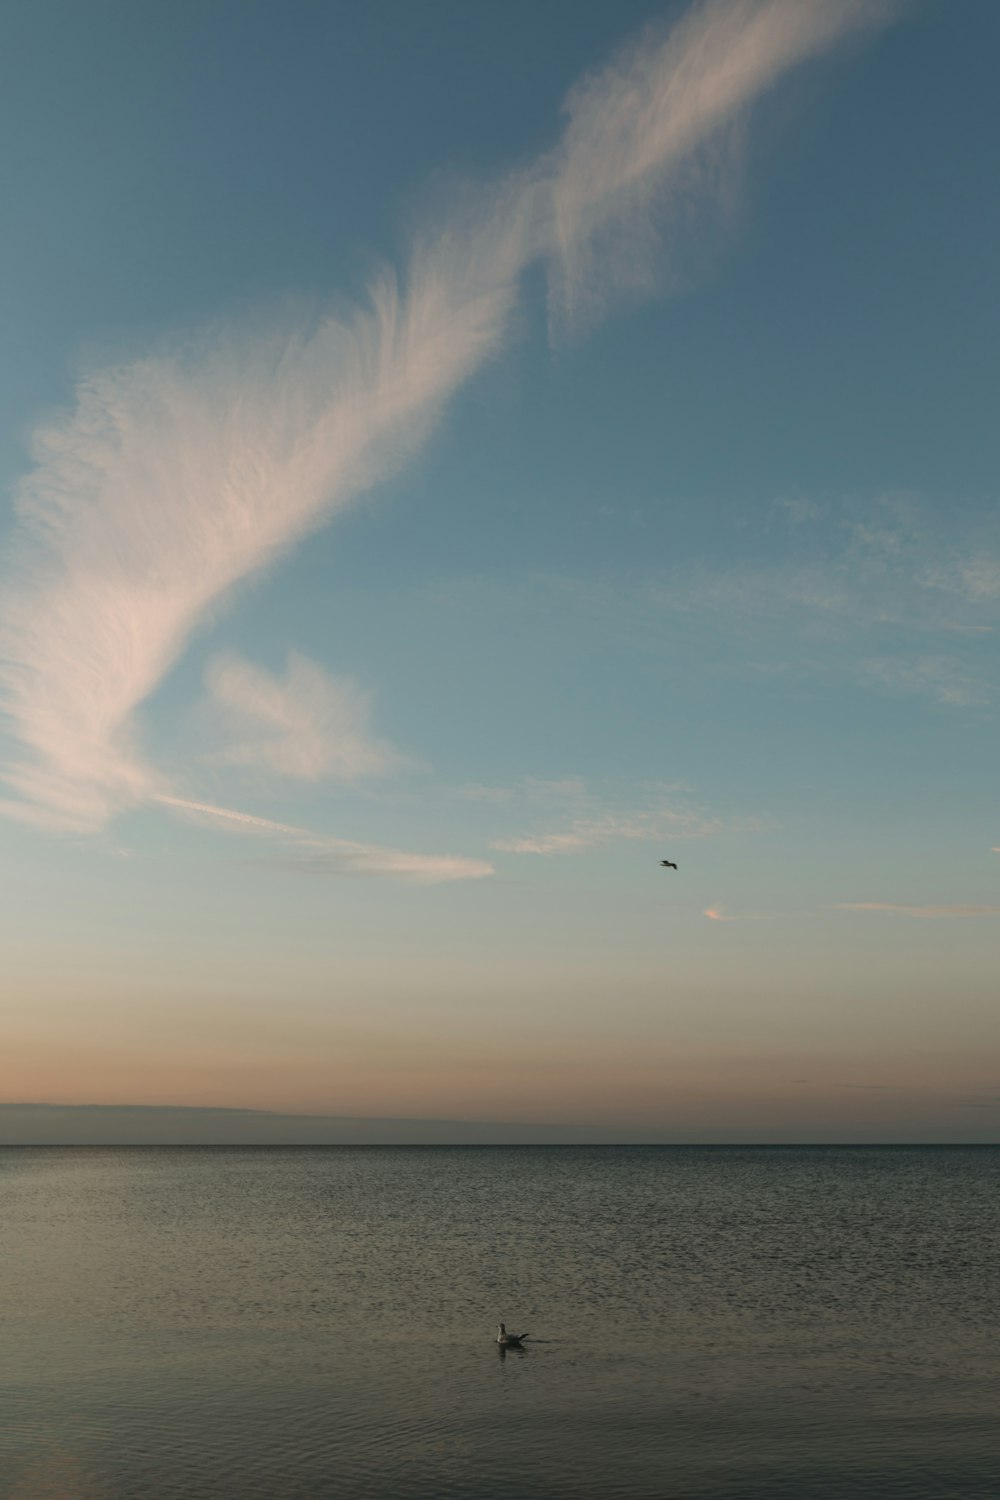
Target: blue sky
455, 457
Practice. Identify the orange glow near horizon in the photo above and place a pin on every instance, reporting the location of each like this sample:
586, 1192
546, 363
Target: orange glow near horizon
655, 1088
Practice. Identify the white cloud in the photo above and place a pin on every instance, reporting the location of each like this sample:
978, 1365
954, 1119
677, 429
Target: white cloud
649, 145
581, 836
181, 474
801, 511
174, 479
593, 822
320, 854
876, 576
306, 725
531, 789
975, 577
718, 913
928, 913
942, 678
866, 593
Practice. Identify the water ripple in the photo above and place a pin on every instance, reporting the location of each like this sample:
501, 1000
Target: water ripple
311, 1324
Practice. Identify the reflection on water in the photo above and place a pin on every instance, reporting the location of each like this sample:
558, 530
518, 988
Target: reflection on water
708, 1324
516, 1351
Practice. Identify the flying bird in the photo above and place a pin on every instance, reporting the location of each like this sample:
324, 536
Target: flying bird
509, 1340
668, 863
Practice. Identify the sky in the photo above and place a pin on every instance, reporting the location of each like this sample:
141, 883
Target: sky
453, 458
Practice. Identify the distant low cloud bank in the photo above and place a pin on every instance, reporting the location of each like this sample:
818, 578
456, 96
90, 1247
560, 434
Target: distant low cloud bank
174, 1125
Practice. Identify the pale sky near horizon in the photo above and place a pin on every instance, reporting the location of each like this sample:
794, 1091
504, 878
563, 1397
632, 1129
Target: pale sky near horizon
454, 457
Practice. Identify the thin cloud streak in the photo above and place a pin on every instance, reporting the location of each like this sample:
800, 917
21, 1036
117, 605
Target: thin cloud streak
666, 817
179, 475
926, 913
320, 853
718, 913
587, 833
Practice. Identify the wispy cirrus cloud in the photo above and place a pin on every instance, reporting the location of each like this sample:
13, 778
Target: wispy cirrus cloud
530, 790
649, 144
892, 565
181, 474
586, 820
306, 724
586, 833
892, 594
718, 913
176, 478
926, 913
317, 853
944, 678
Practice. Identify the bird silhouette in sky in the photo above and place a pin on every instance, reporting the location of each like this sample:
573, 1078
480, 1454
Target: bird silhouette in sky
668, 863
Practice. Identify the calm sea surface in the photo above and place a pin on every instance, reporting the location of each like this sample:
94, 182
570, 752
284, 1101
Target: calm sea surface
297, 1324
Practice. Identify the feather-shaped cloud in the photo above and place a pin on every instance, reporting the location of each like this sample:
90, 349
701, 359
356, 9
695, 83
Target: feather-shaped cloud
179, 475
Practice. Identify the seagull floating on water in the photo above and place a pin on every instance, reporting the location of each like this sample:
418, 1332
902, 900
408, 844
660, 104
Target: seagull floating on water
509, 1340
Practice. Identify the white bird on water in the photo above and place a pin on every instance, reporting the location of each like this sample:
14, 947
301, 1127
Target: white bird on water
510, 1340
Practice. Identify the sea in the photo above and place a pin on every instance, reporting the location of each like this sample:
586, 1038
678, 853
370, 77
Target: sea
319, 1323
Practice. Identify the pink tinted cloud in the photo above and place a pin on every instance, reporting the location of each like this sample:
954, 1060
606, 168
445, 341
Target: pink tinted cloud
181, 474
322, 854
